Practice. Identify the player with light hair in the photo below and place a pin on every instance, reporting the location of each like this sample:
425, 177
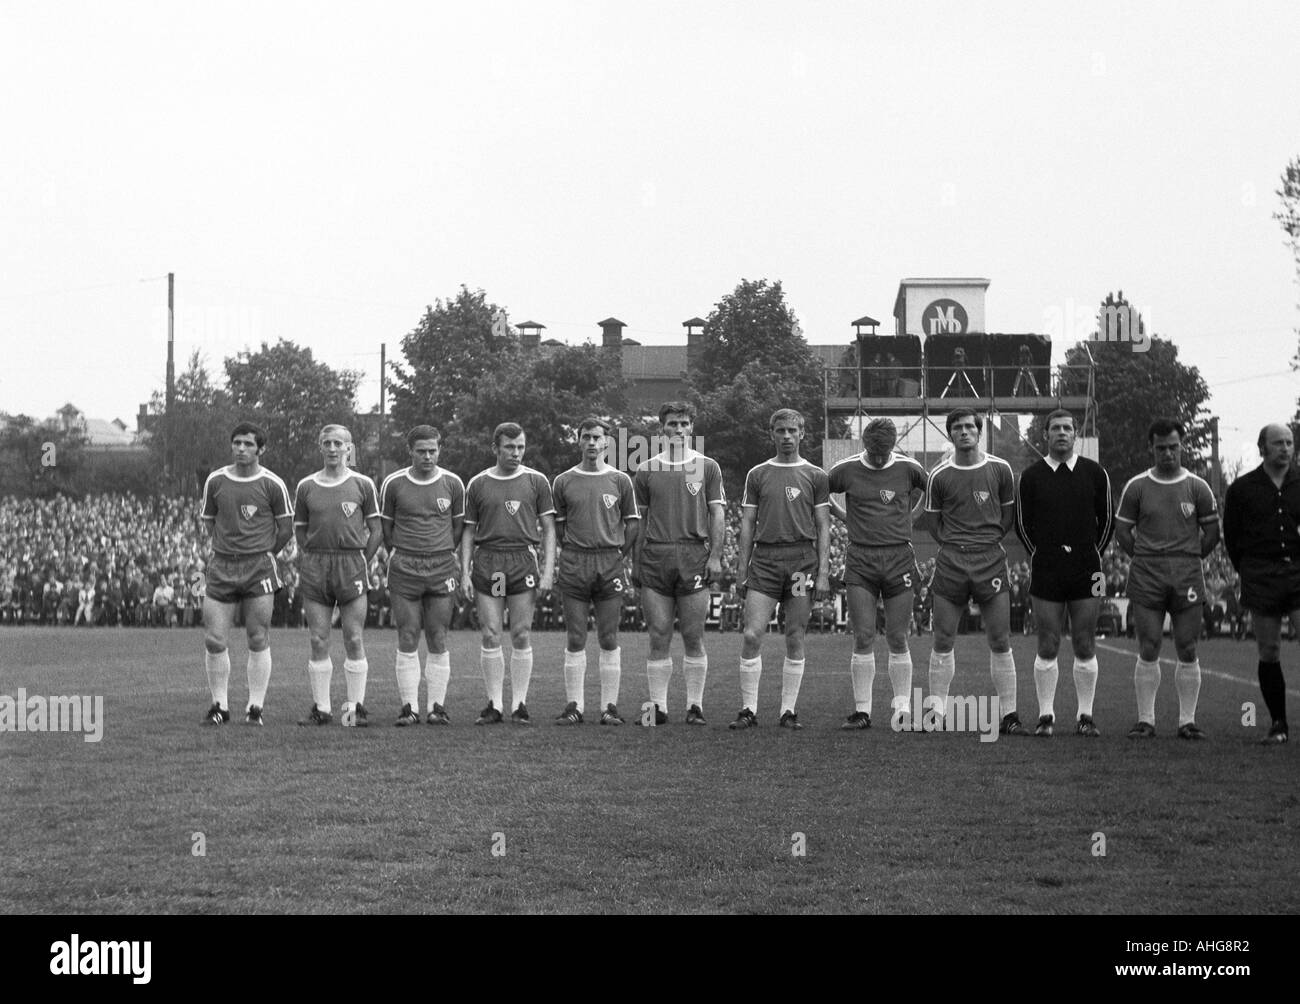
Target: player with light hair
881, 488
784, 558
337, 526
247, 512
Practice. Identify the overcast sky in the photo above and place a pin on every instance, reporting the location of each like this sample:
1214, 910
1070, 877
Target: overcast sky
321, 172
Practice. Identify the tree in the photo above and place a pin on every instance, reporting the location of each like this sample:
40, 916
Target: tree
1132, 389
291, 395
447, 354
754, 361
40, 459
1289, 218
548, 392
200, 423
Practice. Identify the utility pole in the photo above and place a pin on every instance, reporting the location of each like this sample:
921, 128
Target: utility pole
168, 426
1216, 469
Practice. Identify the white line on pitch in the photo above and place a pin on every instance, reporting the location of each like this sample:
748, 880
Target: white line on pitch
1204, 672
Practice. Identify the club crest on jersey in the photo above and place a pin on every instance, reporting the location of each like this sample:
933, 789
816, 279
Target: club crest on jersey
609, 500
248, 511
791, 492
981, 497
1188, 508
512, 506
693, 487
886, 496
348, 508
444, 505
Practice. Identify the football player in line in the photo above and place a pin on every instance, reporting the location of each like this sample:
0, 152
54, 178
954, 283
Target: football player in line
422, 508
336, 523
596, 520
1261, 530
881, 488
969, 507
1167, 522
247, 511
677, 555
783, 558
1064, 518
508, 512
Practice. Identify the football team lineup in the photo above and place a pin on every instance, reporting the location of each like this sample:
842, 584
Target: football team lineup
595, 531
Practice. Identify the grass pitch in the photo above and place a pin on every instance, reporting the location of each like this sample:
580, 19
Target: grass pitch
547, 819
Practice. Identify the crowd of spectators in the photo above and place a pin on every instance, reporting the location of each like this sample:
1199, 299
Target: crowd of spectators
117, 560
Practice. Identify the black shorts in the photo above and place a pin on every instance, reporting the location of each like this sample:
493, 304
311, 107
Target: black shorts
505, 573
979, 572
783, 571
591, 574
677, 569
1058, 575
1170, 584
884, 571
1270, 588
413, 576
330, 577
235, 577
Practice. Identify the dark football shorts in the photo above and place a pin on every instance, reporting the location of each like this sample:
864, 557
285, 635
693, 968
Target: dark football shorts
504, 573
1270, 588
235, 577
1060, 576
1171, 583
675, 569
886, 571
413, 575
962, 572
783, 571
591, 573
329, 577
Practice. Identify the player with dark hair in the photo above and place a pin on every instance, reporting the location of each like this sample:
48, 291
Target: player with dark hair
596, 519
1064, 518
881, 487
337, 527
248, 513
677, 555
1167, 522
784, 558
423, 511
1261, 531
970, 506
508, 512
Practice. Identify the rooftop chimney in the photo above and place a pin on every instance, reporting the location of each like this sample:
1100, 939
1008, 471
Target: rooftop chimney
611, 333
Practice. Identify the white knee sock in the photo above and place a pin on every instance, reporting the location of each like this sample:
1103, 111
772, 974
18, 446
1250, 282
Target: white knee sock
900, 678
943, 667
259, 676
1146, 681
1002, 667
218, 669
1085, 683
408, 678
575, 677
791, 678
611, 672
355, 672
751, 670
1187, 681
659, 672
493, 664
319, 675
862, 667
521, 674
696, 668
1046, 673
437, 673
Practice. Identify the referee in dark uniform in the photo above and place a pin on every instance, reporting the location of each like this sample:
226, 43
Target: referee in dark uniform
1065, 519
1261, 530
